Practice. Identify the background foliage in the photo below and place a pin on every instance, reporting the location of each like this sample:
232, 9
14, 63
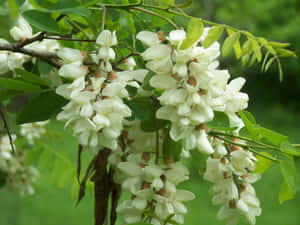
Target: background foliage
275, 104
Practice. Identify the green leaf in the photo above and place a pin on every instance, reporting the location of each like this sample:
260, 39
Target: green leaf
262, 164
257, 50
288, 170
146, 83
236, 46
171, 148
41, 20
272, 136
41, 108
139, 223
250, 123
31, 77
149, 124
287, 148
266, 44
141, 107
13, 8
285, 193
18, 85
247, 47
285, 53
279, 44
220, 122
199, 160
8, 94
69, 7
195, 30
269, 63
19, 2
230, 42
43, 67
212, 36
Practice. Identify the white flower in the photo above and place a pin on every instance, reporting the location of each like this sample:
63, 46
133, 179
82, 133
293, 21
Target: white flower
69, 55
73, 70
107, 38
176, 36
203, 145
242, 160
148, 38
22, 31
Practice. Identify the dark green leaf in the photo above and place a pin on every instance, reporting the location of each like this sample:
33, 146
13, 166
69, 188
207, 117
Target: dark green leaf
195, 30
18, 85
7, 94
272, 136
41, 20
213, 35
30, 77
19, 2
43, 67
146, 83
131, 90
41, 108
171, 148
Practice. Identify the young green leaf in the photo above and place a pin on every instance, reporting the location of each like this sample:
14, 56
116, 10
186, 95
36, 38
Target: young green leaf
31, 77
212, 36
272, 136
18, 85
279, 44
256, 50
262, 163
288, 170
285, 193
236, 46
287, 148
230, 42
41, 108
285, 53
195, 30
41, 20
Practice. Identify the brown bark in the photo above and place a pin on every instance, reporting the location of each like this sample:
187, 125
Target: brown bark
101, 187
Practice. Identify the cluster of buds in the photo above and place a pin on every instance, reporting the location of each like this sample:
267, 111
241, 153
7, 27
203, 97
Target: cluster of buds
18, 177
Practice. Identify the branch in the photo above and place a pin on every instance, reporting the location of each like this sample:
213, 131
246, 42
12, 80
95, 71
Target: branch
103, 17
45, 56
79, 163
7, 130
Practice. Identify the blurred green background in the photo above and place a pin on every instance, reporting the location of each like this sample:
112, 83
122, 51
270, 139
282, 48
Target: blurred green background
276, 105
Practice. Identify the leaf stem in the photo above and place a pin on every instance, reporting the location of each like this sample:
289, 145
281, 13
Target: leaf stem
7, 130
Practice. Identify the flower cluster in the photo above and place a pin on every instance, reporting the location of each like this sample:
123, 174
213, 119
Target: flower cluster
193, 87
32, 131
96, 110
230, 171
152, 186
18, 178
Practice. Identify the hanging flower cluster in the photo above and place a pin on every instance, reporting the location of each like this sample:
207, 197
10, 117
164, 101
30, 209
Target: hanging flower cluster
96, 110
193, 88
152, 185
18, 177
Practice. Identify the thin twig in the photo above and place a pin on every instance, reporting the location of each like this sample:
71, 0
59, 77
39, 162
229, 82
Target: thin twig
79, 163
155, 14
156, 131
103, 18
38, 37
69, 39
7, 130
127, 56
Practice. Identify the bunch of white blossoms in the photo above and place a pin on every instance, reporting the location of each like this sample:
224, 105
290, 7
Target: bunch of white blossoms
96, 110
152, 185
193, 87
9, 61
18, 178
230, 171
32, 131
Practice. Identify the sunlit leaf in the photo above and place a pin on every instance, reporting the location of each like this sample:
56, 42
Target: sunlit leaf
195, 30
